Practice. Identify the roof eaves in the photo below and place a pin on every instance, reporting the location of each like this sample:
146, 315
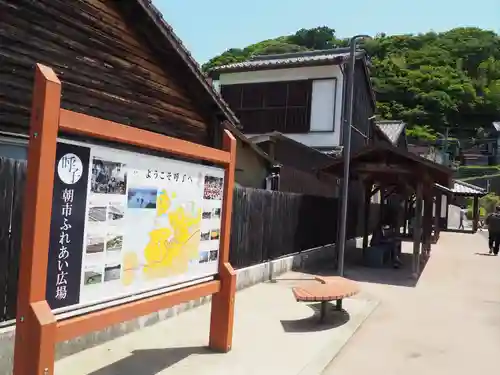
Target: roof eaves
275, 136
166, 30
320, 57
248, 141
404, 153
463, 188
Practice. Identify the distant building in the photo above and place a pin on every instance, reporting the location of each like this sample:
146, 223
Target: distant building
300, 95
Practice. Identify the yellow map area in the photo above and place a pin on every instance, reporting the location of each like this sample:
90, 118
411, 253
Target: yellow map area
169, 250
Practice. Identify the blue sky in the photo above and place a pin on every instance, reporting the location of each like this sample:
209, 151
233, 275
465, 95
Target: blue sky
208, 28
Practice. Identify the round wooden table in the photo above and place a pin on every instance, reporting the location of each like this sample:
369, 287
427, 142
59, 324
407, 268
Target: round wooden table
325, 289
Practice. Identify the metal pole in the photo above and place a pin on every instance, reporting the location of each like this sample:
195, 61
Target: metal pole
347, 151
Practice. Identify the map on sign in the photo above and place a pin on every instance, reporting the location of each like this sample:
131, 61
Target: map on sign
173, 240
150, 223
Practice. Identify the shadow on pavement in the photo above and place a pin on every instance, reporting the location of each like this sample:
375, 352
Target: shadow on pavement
150, 361
355, 270
333, 319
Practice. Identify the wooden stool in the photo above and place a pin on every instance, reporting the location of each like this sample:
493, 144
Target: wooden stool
325, 289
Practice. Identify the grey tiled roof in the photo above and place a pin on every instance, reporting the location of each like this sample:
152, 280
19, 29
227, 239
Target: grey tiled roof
391, 129
464, 188
332, 56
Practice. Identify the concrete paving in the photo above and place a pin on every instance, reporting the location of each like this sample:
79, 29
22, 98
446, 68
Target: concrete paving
449, 323
273, 335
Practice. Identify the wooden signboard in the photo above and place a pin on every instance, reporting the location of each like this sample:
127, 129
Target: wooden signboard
126, 232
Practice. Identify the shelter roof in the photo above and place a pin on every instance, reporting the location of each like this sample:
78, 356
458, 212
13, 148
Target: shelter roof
384, 162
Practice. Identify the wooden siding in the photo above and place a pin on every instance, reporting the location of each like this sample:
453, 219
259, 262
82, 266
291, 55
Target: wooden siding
293, 180
107, 69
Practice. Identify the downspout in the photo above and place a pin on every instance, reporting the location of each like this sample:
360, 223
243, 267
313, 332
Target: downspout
342, 111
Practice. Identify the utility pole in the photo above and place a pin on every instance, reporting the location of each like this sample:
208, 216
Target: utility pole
347, 150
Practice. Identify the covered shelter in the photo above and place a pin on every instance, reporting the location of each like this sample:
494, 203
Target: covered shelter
395, 171
459, 189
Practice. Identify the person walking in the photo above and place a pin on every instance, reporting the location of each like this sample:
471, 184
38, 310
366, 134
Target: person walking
462, 218
493, 223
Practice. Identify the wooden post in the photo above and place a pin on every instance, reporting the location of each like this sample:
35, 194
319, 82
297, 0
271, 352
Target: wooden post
447, 212
427, 223
222, 314
475, 216
366, 214
405, 215
437, 215
417, 231
35, 322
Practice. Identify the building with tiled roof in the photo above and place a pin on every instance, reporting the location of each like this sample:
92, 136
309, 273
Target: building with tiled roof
301, 95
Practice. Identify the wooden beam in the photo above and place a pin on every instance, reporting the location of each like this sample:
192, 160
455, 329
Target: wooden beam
417, 231
381, 168
35, 323
222, 313
437, 214
427, 227
366, 215
81, 124
74, 327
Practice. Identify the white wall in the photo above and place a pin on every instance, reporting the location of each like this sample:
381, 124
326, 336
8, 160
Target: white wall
326, 104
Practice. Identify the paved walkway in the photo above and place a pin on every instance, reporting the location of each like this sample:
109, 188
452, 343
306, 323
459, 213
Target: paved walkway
273, 335
448, 324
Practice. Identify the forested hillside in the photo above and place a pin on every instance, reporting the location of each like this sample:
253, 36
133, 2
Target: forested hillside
432, 80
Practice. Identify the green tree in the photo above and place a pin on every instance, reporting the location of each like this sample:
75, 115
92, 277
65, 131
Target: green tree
432, 80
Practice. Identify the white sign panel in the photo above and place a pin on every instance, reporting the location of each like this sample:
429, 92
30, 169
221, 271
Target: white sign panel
149, 223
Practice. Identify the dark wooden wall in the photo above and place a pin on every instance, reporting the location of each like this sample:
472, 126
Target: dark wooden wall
293, 180
107, 69
267, 225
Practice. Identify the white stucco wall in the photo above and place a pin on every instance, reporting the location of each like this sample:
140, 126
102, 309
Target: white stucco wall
326, 103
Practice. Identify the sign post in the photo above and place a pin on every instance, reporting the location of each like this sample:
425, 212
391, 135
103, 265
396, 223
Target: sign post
136, 232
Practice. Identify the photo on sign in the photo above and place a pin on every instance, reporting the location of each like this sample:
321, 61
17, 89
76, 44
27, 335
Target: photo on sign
213, 255
114, 242
205, 236
142, 198
216, 213
214, 234
112, 272
95, 244
97, 213
204, 256
92, 276
108, 177
116, 211
212, 188
206, 215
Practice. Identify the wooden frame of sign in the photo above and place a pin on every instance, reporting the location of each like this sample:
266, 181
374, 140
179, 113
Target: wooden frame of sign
37, 329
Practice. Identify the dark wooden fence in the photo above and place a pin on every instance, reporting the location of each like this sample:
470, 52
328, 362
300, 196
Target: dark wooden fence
268, 224
12, 182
